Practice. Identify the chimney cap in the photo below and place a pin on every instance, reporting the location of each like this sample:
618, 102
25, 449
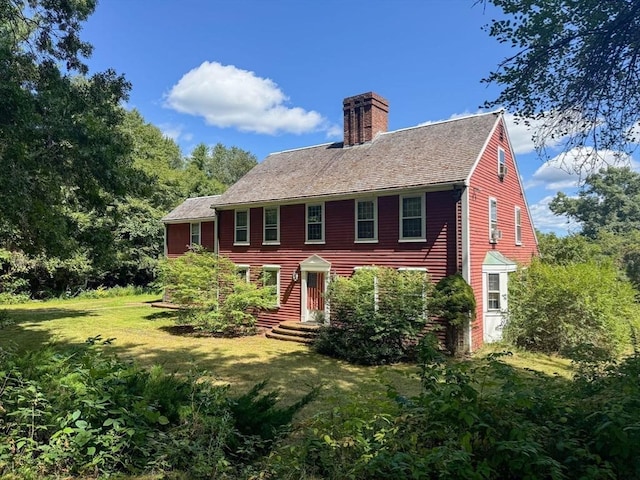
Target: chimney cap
365, 97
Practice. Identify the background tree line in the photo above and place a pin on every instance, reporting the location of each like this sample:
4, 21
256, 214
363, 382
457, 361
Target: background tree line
84, 181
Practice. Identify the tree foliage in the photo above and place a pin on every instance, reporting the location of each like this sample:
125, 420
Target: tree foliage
608, 201
60, 141
576, 67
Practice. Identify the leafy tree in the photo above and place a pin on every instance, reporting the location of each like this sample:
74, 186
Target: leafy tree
60, 141
609, 201
576, 68
567, 250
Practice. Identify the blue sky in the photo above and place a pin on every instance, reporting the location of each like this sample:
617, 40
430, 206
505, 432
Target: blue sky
268, 76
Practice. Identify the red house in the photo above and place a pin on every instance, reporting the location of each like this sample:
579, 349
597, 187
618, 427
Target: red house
444, 197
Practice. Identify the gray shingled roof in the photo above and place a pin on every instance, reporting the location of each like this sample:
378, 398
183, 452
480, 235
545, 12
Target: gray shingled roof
437, 153
197, 208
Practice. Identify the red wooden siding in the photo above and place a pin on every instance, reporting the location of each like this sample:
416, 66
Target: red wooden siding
179, 237
485, 184
438, 254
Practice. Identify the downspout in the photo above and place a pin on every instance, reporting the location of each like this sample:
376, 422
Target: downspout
216, 240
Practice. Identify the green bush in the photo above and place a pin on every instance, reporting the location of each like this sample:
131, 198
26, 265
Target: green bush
83, 412
479, 419
454, 302
377, 316
214, 297
558, 308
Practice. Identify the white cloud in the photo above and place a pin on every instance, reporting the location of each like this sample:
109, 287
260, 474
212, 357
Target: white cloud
568, 169
522, 133
175, 132
546, 221
227, 96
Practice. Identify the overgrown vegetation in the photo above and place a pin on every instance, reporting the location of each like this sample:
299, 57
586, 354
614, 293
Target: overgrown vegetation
454, 302
83, 412
478, 419
377, 316
559, 308
213, 296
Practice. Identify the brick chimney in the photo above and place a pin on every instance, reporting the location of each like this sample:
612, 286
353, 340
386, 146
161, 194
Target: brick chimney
365, 115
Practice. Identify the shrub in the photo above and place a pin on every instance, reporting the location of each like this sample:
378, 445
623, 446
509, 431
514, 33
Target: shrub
214, 297
377, 316
479, 419
83, 412
454, 302
557, 308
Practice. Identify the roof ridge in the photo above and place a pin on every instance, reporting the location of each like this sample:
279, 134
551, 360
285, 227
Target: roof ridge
440, 122
425, 124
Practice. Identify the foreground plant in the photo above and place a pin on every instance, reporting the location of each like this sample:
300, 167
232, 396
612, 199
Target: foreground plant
83, 412
478, 420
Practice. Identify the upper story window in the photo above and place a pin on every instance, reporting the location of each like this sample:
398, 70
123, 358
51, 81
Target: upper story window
494, 233
412, 218
518, 224
315, 223
502, 163
367, 220
241, 236
195, 234
271, 222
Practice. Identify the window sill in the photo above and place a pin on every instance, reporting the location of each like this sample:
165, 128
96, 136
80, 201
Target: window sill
241, 244
411, 240
314, 242
270, 243
518, 244
370, 240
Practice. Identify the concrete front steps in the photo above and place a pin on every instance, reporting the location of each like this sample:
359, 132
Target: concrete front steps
294, 332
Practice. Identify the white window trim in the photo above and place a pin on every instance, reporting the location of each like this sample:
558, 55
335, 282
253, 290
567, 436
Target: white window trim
247, 276
499, 291
504, 157
274, 268
423, 238
375, 220
264, 226
517, 220
491, 226
191, 242
235, 226
306, 223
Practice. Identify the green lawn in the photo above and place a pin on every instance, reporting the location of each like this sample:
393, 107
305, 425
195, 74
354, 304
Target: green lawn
145, 334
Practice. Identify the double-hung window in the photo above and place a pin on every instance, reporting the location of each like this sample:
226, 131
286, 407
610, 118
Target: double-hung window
271, 219
493, 291
243, 272
271, 280
493, 220
413, 218
367, 220
195, 234
518, 222
315, 223
241, 236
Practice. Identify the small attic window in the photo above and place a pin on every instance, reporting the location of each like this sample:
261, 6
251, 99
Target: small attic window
502, 163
